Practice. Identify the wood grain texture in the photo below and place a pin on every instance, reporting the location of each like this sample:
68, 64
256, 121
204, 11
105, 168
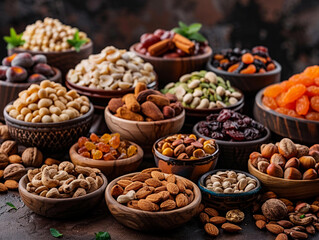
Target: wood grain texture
301, 130
171, 69
149, 221
58, 207
286, 188
111, 168
249, 82
10, 91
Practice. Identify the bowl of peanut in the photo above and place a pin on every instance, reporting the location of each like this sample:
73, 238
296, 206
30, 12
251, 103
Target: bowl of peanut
48, 117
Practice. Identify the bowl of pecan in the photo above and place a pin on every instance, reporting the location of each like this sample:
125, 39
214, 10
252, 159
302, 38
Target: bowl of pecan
152, 200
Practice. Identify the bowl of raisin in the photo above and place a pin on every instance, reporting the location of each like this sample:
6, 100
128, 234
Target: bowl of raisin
236, 135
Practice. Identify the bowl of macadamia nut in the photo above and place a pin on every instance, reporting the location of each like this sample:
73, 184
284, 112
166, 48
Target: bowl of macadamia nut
62, 191
49, 117
63, 45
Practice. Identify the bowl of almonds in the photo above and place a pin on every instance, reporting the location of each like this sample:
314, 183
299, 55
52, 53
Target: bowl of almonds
152, 200
229, 189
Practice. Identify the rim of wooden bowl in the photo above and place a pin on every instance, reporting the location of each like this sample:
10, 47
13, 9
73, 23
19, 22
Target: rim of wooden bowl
208, 52
242, 143
252, 170
125, 121
7, 117
243, 194
196, 201
183, 162
254, 75
103, 163
45, 199
259, 103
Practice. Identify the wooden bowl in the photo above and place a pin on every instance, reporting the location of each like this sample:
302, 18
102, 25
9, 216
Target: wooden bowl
62, 60
151, 221
170, 69
286, 188
60, 207
228, 201
10, 91
144, 133
234, 155
49, 137
249, 82
301, 130
191, 169
112, 168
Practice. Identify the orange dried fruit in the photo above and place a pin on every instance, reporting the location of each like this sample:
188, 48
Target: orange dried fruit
294, 93
97, 154
286, 85
302, 105
82, 141
312, 71
247, 58
249, 70
94, 137
261, 70
301, 79
90, 146
313, 116
317, 81
313, 91
115, 141
271, 66
314, 102
233, 67
287, 111
269, 102
273, 90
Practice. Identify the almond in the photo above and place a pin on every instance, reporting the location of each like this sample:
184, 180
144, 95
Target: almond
285, 224
158, 175
261, 224
3, 188
281, 236
146, 205
211, 229
141, 177
133, 204
11, 184
190, 195
172, 188
259, 217
229, 227
311, 229
1, 173
168, 205
51, 161
149, 170
171, 178
298, 235
188, 184
211, 212
143, 192
133, 186
153, 182
314, 208
123, 183
165, 195
181, 200
204, 218
154, 198
286, 201
316, 225
116, 191
180, 184
217, 220
201, 208
15, 159
160, 189
274, 228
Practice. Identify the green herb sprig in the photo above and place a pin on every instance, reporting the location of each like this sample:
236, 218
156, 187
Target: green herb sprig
76, 42
11, 205
14, 40
191, 32
102, 236
55, 233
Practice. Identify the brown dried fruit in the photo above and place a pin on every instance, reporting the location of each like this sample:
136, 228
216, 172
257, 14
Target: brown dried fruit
149, 170
116, 191
274, 209
1, 174
168, 112
232, 228
14, 171
310, 174
114, 104
171, 178
302, 207
302, 150
287, 148
133, 204
160, 189
180, 185
261, 224
190, 195
168, 205
307, 162
172, 188
32, 157
15, 159
153, 182
268, 195
3, 188
4, 132
268, 150
11, 184
204, 218
181, 200
310, 229
150, 110
211, 229
298, 235
4, 160
262, 166
281, 236
9, 147
211, 212
217, 220
314, 208
274, 228
286, 201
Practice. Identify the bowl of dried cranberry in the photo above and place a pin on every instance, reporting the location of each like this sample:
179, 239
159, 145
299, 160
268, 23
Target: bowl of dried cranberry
237, 135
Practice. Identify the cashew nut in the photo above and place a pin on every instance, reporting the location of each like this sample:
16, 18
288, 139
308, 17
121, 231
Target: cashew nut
86, 171
127, 197
75, 184
93, 184
81, 176
32, 173
62, 175
47, 179
36, 180
295, 219
79, 192
66, 166
40, 189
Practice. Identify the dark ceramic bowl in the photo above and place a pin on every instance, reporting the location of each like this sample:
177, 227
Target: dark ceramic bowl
228, 201
249, 82
170, 69
235, 154
10, 91
191, 169
49, 137
61, 207
300, 130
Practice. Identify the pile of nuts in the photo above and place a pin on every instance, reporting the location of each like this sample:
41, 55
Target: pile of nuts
64, 180
107, 147
152, 190
230, 182
202, 90
186, 147
145, 105
24, 67
112, 69
48, 102
288, 160
284, 218
49, 35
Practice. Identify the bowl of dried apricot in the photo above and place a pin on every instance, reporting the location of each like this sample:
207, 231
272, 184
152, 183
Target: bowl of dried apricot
109, 153
152, 200
291, 108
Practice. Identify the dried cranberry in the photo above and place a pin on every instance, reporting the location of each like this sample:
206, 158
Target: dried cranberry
236, 135
224, 115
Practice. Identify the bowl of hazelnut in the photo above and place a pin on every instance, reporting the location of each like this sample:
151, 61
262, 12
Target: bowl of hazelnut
109, 153
48, 117
185, 155
289, 169
63, 45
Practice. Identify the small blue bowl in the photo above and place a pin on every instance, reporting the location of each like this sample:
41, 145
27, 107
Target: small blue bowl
228, 201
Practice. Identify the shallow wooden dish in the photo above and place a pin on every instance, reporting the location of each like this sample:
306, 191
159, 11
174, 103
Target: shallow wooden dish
10, 91
49, 137
170, 70
191, 169
228, 201
234, 155
151, 221
112, 168
300, 130
249, 82
60, 207
62, 60
286, 188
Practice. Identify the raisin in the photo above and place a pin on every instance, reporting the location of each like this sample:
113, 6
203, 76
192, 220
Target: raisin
273, 90
313, 91
269, 102
302, 105
313, 116
94, 137
294, 93
82, 141
314, 101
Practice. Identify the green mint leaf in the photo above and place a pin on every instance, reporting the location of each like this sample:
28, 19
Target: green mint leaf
302, 216
14, 40
102, 236
76, 42
55, 233
193, 28
11, 205
13, 33
182, 25
179, 31
197, 37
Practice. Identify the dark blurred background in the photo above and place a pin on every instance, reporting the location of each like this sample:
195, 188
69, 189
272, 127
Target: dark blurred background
289, 28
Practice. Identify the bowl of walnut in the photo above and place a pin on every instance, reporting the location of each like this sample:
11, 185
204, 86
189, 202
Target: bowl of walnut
62, 191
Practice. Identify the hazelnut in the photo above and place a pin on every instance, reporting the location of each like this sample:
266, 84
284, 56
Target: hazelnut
287, 148
9, 147
257, 160
314, 147
278, 159
14, 171
292, 173
32, 157
310, 174
269, 150
262, 166
275, 170
292, 162
302, 150
314, 154
307, 162
274, 209
4, 160
254, 155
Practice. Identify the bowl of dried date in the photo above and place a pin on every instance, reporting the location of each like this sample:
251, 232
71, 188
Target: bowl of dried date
237, 135
62, 191
289, 169
109, 153
291, 108
175, 52
152, 200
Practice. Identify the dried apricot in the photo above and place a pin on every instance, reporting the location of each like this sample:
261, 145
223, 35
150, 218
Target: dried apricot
249, 70
261, 70
263, 60
302, 105
294, 93
233, 67
313, 91
247, 58
313, 116
314, 101
273, 90
271, 66
270, 102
